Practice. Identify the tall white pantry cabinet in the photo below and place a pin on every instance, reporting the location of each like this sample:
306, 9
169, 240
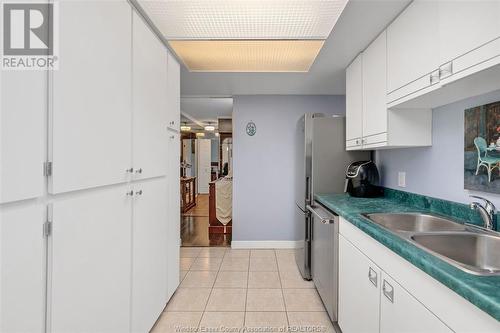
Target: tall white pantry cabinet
89, 179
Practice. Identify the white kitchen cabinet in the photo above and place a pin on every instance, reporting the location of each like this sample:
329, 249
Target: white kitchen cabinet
400, 312
465, 26
354, 102
22, 268
150, 250
413, 49
23, 114
90, 137
375, 87
359, 292
91, 261
174, 93
367, 115
421, 303
150, 102
174, 212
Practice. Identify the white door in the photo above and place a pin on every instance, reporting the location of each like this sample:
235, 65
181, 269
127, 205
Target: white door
375, 87
400, 312
354, 100
413, 45
187, 156
22, 269
204, 165
23, 114
174, 213
457, 38
174, 93
150, 102
91, 96
359, 290
150, 250
91, 262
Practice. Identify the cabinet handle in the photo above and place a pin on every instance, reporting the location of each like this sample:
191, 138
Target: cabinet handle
388, 291
172, 137
129, 170
372, 276
445, 70
434, 77
130, 193
357, 142
138, 192
139, 171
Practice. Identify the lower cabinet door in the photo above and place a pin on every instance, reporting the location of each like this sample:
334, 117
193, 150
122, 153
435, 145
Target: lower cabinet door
359, 293
400, 312
22, 269
91, 262
149, 260
174, 213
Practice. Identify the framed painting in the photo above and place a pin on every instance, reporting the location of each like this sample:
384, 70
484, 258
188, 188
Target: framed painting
482, 148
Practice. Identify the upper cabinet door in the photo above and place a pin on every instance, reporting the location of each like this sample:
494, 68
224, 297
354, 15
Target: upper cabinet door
91, 96
174, 93
375, 87
23, 114
466, 25
150, 101
91, 262
22, 269
413, 45
354, 100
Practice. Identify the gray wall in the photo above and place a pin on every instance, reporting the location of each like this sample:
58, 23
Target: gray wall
438, 170
263, 198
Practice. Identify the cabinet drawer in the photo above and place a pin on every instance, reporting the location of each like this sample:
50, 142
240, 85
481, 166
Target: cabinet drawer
353, 144
375, 140
475, 61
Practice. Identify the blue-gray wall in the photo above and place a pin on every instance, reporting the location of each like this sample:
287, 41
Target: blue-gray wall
438, 170
263, 165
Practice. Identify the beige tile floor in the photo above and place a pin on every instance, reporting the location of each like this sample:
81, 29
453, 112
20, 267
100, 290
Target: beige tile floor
231, 291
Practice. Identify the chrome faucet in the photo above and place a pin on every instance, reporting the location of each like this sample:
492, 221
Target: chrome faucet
487, 211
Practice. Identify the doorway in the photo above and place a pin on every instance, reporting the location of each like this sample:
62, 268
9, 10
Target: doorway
206, 162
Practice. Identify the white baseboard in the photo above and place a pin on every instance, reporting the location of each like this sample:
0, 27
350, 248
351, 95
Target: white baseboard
265, 244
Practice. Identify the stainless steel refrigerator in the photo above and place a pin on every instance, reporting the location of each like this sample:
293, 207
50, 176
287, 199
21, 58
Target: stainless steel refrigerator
321, 162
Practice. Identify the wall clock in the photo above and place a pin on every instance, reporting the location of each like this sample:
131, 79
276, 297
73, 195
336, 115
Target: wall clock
251, 128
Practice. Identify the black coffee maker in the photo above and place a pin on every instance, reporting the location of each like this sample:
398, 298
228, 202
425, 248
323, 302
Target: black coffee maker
362, 180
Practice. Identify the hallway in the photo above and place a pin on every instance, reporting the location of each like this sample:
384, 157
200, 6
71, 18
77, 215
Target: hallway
225, 290
194, 226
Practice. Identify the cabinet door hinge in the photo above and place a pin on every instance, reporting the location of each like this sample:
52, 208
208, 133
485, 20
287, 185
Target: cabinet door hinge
47, 229
47, 169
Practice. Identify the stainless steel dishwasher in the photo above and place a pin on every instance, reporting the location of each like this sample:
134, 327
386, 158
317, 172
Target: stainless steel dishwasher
325, 257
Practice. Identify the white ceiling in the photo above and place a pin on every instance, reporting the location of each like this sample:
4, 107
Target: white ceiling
360, 23
204, 110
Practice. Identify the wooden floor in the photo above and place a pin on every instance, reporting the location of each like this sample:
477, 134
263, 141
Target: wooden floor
194, 227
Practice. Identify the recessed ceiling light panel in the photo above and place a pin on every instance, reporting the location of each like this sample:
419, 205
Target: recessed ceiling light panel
248, 55
244, 19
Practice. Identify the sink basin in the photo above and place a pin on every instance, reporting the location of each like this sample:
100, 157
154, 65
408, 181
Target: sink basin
414, 222
474, 252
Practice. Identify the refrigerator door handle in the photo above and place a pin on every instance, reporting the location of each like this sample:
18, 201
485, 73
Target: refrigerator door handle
308, 190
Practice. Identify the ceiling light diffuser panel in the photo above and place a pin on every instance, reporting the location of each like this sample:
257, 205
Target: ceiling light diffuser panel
245, 35
248, 55
244, 19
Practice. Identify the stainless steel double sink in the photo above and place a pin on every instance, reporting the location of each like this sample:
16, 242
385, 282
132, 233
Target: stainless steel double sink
466, 247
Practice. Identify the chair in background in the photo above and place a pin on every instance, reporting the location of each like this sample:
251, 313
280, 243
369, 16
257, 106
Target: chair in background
489, 162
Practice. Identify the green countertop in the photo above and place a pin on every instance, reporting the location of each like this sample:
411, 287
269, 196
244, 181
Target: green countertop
482, 291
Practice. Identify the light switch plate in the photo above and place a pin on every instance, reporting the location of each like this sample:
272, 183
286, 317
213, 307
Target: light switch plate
402, 179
